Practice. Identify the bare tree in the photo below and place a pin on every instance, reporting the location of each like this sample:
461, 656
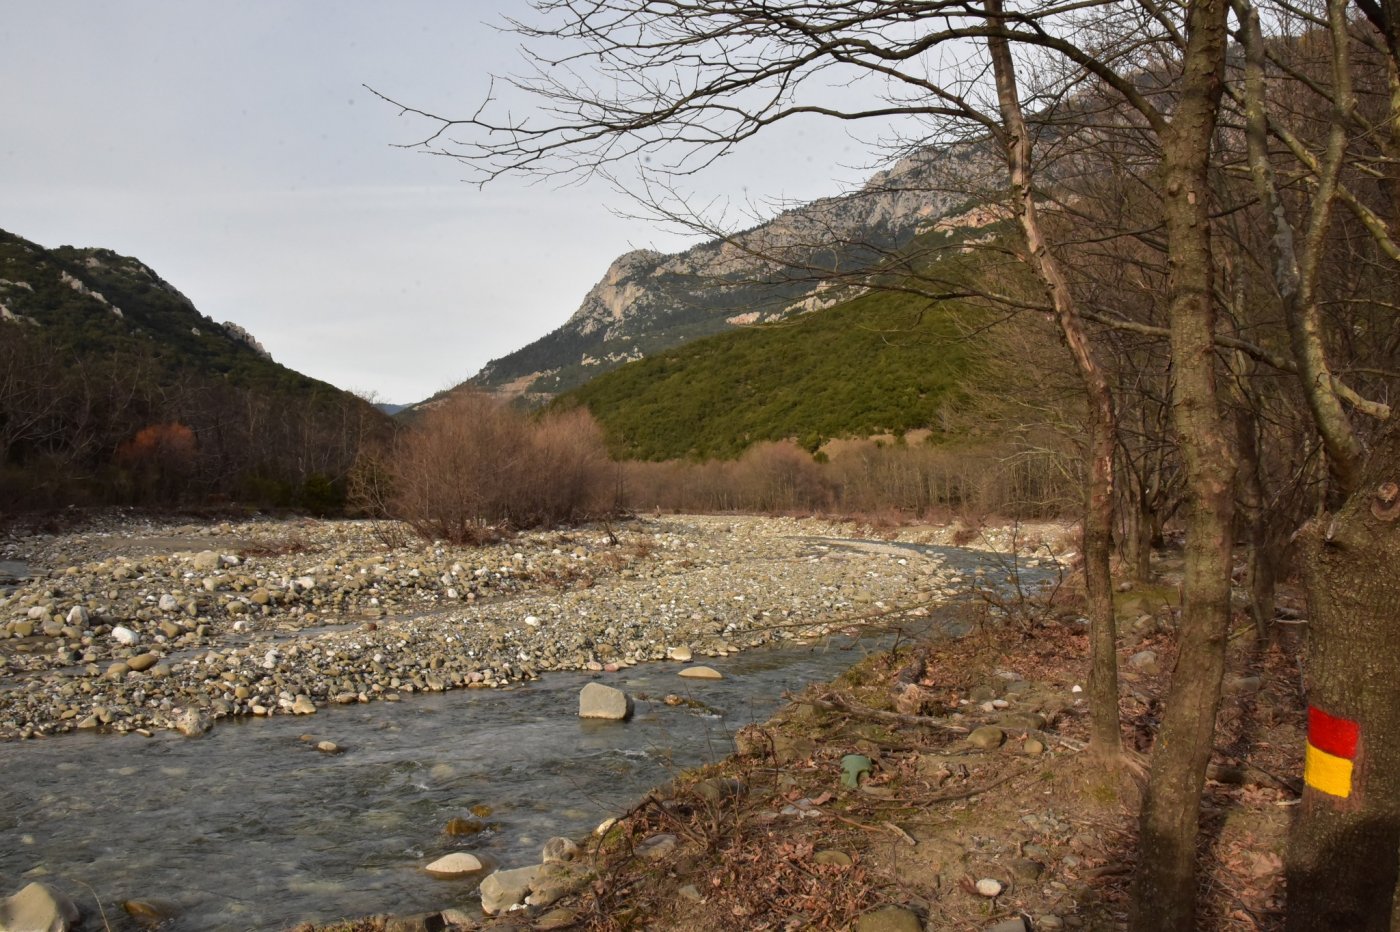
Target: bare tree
692, 80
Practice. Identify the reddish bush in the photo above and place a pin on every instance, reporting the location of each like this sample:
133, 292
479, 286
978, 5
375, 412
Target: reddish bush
158, 460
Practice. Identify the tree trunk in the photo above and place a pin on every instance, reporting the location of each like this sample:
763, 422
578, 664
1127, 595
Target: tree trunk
1262, 558
1342, 868
1140, 545
1106, 736
1164, 895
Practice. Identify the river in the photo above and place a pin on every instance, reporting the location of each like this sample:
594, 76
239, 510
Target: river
249, 827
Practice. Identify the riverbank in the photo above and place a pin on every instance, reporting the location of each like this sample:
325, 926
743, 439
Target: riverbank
974, 806
135, 626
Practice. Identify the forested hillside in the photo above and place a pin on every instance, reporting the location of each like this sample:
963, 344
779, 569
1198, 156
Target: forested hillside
114, 388
879, 363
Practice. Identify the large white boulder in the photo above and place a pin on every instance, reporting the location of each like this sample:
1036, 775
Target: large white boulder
598, 701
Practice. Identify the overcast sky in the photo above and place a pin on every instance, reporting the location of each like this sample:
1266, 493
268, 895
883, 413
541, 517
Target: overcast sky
232, 147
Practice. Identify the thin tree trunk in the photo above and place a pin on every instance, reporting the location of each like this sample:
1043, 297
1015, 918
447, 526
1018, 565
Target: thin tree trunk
1164, 895
1106, 735
1342, 868
1262, 574
1141, 548
1296, 270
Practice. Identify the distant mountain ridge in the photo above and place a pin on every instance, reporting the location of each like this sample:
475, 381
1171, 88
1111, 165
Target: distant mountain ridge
114, 388
96, 298
647, 301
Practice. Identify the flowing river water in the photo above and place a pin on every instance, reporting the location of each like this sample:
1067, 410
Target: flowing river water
249, 827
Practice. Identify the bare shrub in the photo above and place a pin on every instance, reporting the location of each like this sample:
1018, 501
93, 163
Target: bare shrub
893, 480
780, 478
472, 464
564, 474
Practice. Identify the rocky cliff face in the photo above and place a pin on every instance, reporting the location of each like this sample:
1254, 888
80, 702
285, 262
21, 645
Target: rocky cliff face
648, 301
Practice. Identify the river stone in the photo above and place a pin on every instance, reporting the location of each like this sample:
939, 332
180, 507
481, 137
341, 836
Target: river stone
987, 737
191, 722
142, 662
656, 846
598, 701
1022, 721
889, 919
681, 653
504, 889
456, 918
150, 911
1014, 924
1236, 685
457, 864
702, 673
1026, 870
206, 560
559, 849
124, 635
168, 603
418, 922
460, 826
36, 908
1144, 661
77, 615
22, 629
302, 705
562, 918
553, 882
328, 747
717, 788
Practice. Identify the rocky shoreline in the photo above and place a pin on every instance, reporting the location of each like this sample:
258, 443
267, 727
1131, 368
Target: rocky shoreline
133, 626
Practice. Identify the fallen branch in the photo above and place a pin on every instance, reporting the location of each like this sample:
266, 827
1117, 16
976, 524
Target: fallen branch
834, 703
905, 836
879, 829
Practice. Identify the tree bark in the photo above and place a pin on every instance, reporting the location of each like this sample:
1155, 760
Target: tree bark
1342, 868
1164, 894
1255, 514
1106, 735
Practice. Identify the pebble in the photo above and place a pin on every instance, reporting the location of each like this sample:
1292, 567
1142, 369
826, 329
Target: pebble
989, 887
283, 630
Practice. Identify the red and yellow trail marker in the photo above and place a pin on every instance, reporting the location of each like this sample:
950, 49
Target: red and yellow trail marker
1331, 754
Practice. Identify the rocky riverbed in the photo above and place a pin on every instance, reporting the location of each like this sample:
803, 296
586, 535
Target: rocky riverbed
138, 625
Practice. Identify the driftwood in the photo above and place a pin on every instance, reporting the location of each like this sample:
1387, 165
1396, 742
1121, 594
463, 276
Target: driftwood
834, 703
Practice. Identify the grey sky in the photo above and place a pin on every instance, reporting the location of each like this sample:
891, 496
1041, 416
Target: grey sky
232, 148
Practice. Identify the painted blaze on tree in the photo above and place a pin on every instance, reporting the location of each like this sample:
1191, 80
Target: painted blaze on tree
1331, 755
